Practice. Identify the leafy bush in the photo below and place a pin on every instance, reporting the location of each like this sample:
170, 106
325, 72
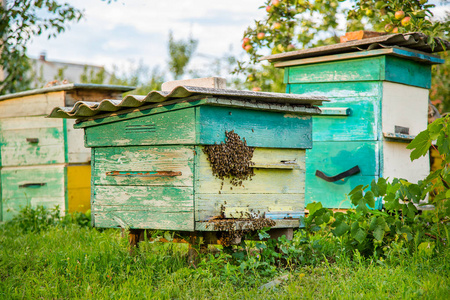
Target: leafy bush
398, 230
400, 227
38, 219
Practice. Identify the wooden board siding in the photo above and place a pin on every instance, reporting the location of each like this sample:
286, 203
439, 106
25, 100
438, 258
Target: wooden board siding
260, 128
152, 207
335, 157
408, 72
47, 188
397, 163
270, 190
208, 206
144, 159
363, 100
265, 181
334, 194
20, 147
34, 105
79, 188
405, 106
144, 202
364, 69
174, 127
77, 152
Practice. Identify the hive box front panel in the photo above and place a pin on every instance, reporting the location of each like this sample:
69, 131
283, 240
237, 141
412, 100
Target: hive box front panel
151, 172
377, 106
22, 186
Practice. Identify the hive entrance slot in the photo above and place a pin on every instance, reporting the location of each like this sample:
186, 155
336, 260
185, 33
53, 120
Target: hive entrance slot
143, 128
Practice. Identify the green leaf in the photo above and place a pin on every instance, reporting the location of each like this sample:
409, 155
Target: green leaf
370, 199
412, 211
435, 128
378, 233
407, 230
382, 186
313, 207
421, 144
356, 189
374, 188
326, 217
341, 228
360, 235
356, 197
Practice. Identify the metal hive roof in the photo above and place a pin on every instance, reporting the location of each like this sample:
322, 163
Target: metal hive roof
415, 41
83, 109
69, 87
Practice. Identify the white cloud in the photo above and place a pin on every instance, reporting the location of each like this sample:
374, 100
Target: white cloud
137, 29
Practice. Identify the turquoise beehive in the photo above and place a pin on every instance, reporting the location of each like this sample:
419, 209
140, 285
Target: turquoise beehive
378, 89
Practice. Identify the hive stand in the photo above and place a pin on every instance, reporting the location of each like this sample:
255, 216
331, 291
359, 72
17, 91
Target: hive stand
44, 161
379, 103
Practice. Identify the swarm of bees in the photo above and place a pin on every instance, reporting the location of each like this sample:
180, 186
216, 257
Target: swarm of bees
231, 159
233, 229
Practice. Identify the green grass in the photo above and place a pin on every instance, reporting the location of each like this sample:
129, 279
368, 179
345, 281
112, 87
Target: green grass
83, 263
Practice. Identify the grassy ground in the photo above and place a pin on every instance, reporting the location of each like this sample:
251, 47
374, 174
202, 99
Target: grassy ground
74, 262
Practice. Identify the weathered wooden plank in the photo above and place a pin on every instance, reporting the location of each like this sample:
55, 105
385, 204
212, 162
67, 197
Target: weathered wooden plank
91, 95
31, 141
361, 124
378, 68
397, 163
174, 127
408, 72
77, 152
33, 105
208, 206
338, 89
335, 157
79, 188
405, 106
286, 223
259, 128
182, 221
265, 181
43, 185
334, 194
360, 69
149, 198
134, 158
362, 98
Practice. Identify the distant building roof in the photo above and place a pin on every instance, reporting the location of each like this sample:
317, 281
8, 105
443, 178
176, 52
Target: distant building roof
45, 70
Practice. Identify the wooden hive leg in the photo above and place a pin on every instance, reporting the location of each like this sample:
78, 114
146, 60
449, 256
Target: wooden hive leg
197, 245
134, 237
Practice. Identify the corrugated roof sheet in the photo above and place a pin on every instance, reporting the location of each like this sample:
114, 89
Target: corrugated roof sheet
415, 41
68, 87
84, 109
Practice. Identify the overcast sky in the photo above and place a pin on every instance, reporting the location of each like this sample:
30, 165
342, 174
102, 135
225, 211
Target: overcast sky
134, 30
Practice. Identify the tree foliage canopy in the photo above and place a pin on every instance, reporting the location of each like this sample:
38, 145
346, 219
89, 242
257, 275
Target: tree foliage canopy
20, 20
297, 24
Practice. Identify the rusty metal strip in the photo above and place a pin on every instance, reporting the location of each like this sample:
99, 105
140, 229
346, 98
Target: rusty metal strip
143, 173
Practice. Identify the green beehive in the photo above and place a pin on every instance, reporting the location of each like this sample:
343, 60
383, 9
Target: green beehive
378, 90
43, 161
150, 170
